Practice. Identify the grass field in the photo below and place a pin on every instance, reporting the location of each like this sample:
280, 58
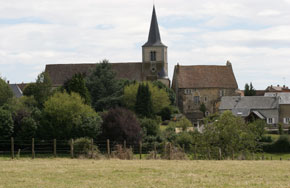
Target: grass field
142, 173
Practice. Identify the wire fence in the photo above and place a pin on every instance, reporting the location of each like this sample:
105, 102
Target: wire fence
37, 148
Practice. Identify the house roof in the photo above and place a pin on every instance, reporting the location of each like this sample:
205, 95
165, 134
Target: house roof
154, 38
16, 90
205, 76
248, 102
284, 98
243, 106
60, 73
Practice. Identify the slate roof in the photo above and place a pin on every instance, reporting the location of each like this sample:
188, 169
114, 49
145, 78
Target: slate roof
154, 38
16, 90
248, 102
243, 106
60, 73
284, 98
205, 76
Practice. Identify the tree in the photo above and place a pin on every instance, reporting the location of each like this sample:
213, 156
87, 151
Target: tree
249, 90
230, 134
120, 124
40, 90
169, 91
77, 84
25, 115
159, 97
66, 116
6, 124
104, 89
143, 104
5, 92
202, 108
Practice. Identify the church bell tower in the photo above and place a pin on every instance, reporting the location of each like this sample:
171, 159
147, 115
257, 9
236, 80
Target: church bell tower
154, 55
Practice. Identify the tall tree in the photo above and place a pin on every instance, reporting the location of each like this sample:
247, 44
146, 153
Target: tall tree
143, 104
249, 90
104, 89
40, 90
5, 92
77, 84
159, 97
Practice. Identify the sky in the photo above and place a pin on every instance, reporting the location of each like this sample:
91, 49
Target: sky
253, 35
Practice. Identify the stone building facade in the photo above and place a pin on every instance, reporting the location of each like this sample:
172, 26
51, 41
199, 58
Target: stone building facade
197, 85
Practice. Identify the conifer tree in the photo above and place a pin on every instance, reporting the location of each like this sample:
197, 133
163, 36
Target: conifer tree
143, 104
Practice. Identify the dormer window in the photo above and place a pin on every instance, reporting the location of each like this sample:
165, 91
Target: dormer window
153, 56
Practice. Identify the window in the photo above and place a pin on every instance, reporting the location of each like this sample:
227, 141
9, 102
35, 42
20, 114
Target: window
153, 56
205, 99
286, 120
222, 92
271, 121
196, 99
207, 113
187, 91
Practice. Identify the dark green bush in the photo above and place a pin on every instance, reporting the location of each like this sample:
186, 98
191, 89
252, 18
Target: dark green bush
282, 145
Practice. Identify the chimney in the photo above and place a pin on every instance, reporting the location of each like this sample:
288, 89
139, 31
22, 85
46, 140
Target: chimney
278, 85
284, 86
177, 67
229, 63
8, 82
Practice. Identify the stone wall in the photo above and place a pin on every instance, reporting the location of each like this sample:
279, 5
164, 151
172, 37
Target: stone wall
189, 100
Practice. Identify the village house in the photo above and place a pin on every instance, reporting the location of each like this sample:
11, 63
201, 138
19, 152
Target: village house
202, 85
284, 107
253, 107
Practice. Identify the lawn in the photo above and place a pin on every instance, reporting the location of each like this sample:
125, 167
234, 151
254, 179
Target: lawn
61, 172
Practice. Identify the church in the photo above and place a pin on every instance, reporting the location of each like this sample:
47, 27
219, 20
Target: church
195, 86
154, 65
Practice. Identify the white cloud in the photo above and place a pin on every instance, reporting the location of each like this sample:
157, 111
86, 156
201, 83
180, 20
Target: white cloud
254, 35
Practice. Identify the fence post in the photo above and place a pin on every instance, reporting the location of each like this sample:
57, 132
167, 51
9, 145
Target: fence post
125, 144
92, 148
170, 152
108, 148
32, 149
195, 148
54, 147
12, 148
155, 151
72, 148
220, 153
140, 149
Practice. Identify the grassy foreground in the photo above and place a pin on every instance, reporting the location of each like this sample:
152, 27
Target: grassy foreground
142, 173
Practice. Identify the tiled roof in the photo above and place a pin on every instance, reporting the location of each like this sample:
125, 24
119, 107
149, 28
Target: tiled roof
205, 76
60, 73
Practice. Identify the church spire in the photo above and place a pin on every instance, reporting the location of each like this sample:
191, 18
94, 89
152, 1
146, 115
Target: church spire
154, 38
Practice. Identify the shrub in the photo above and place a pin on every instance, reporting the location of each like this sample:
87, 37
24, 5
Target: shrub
121, 124
173, 153
66, 116
122, 153
166, 113
150, 126
281, 145
82, 147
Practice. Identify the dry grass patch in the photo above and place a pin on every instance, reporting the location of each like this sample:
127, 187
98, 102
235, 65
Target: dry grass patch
143, 173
